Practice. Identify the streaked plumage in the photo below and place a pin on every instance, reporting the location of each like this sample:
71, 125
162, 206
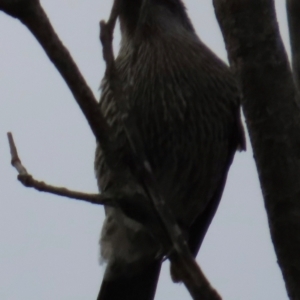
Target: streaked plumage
186, 107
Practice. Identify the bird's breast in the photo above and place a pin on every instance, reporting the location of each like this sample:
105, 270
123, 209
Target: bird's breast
181, 105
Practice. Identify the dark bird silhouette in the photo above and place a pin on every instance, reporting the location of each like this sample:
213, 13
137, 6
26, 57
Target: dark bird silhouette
185, 106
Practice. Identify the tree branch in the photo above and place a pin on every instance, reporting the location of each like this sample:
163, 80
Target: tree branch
27, 180
270, 104
32, 15
293, 16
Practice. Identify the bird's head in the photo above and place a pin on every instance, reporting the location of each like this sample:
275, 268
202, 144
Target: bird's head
152, 15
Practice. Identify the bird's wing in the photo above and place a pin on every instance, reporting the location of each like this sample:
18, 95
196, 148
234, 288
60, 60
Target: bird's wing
200, 226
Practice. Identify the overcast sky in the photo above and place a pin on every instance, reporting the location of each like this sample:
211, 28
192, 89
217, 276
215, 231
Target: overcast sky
49, 245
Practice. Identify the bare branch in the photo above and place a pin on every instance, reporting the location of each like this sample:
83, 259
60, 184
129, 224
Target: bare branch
270, 103
193, 278
15, 160
32, 15
27, 180
106, 37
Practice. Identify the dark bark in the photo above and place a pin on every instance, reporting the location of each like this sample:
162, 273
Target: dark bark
32, 15
270, 104
293, 14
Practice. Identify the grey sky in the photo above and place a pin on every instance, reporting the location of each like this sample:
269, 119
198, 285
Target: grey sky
49, 245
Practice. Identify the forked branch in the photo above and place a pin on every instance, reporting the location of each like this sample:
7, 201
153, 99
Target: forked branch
27, 180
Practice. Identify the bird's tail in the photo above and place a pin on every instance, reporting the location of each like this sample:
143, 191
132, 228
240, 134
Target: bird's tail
141, 286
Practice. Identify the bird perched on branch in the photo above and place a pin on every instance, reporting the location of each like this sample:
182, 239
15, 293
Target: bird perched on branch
184, 104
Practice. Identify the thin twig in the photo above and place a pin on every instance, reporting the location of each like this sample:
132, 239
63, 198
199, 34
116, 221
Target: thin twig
106, 37
15, 160
27, 180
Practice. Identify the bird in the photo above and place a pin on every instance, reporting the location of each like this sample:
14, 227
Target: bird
184, 103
